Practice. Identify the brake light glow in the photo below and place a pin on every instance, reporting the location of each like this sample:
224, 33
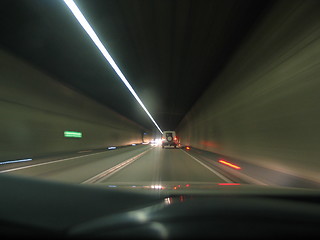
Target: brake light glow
229, 164
188, 148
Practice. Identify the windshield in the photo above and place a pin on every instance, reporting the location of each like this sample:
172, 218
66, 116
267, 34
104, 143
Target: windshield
165, 95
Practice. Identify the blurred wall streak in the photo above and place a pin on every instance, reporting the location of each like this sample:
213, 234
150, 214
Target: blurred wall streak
36, 110
264, 107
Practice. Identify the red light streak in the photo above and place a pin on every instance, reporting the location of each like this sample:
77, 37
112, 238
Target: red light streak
229, 164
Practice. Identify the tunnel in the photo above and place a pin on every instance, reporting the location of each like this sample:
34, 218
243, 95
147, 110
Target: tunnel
236, 81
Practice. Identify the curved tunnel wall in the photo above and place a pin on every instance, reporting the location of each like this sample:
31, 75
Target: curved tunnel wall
264, 108
36, 110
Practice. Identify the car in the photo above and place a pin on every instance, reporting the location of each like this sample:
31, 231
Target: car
167, 211
169, 138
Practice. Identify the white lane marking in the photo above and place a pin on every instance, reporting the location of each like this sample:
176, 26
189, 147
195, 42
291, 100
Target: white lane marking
249, 179
46, 163
107, 173
210, 169
85, 151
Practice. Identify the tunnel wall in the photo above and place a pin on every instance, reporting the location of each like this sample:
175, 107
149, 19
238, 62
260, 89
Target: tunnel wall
36, 110
264, 108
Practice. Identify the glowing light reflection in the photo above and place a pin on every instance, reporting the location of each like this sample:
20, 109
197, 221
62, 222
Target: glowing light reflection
168, 200
156, 187
229, 164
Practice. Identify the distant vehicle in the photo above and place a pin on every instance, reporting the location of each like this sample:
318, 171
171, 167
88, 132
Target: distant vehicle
169, 138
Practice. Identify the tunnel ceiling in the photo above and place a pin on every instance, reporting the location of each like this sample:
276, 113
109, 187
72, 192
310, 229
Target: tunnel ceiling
169, 51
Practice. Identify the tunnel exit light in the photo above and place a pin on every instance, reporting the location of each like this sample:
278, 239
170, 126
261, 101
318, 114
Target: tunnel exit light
72, 134
86, 26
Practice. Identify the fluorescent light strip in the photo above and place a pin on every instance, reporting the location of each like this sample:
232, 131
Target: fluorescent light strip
84, 23
16, 161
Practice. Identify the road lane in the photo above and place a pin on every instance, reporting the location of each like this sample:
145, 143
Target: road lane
161, 165
78, 169
138, 164
114, 169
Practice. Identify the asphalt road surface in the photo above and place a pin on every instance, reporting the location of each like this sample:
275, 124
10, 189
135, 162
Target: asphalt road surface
143, 163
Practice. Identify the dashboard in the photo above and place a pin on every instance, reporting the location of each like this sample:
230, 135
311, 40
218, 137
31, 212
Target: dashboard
39, 208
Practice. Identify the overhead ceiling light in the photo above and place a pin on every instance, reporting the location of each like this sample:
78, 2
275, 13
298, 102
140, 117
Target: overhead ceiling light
86, 26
